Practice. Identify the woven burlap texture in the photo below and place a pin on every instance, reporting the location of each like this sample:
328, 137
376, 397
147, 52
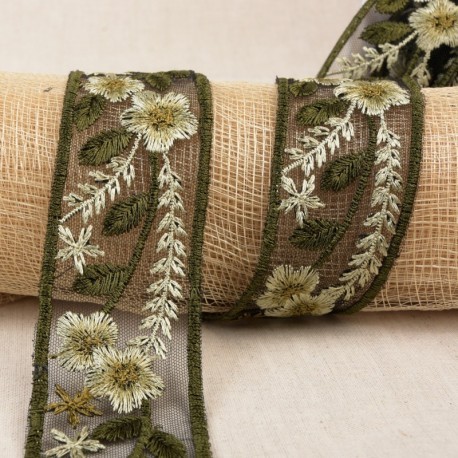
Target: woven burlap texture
424, 276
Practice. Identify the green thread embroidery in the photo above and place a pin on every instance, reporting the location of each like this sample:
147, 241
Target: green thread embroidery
417, 40
123, 216
408, 200
104, 146
320, 111
88, 110
165, 445
118, 429
40, 375
362, 185
195, 385
385, 32
303, 88
315, 234
390, 6
99, 279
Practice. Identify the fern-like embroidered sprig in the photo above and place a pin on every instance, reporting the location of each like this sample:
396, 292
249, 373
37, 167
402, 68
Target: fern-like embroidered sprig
372, 59
122, 168
166, 290
373, 247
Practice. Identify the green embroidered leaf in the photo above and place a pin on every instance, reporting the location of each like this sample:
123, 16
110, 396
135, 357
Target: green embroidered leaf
303, 88
179, 73
88, 110
118, 429
125, 215
99, 279
165, 445
343, 171
385, 32
390, 6
320, 111
103, 146
159, 80
315, 234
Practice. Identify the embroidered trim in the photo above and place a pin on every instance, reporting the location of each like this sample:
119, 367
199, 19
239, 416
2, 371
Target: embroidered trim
416, 40
106, 365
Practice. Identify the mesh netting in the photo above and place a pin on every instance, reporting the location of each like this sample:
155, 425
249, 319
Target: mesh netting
424, 276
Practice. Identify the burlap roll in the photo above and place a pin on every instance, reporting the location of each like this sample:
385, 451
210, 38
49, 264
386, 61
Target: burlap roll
425, 273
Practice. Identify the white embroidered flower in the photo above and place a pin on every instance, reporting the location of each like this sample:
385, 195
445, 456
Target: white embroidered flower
77, 248
372, 97
125, 377
304, 304
436, 24
81, 335
74, 447
289, 293
160, 119
300, 201
113, 87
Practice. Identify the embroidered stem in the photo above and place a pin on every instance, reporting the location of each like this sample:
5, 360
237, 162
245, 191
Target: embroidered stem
373, 60
359, 193
165, 290
141, 242
409, 196
330, 141
145, 432
111, 185
195, 385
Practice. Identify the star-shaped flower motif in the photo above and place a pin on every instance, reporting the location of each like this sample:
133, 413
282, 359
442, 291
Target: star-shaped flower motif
77, 248
73, 447
114, 88
302, 200
78, 404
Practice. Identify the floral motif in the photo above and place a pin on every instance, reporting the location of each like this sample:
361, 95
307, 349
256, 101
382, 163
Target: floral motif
160, 119
81, 336
78, 404
372, 97
113, 87
302, 200
125, 377
77, 248
436, 24
73, 447
289, 293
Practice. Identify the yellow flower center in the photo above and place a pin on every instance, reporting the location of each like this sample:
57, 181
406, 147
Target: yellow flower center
125, 374
370, 91
444, 21
161, 117
288, 291
114, 85
88, 343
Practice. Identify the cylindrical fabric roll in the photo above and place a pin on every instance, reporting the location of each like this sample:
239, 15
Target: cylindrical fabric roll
424, 276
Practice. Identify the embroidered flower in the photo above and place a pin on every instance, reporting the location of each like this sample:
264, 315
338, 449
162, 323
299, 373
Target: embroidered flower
81, 335
77, 248
113, 87
302, 200
289, 293
78, 404
436, 24
372, 97
75, 447
124, 376
160, 119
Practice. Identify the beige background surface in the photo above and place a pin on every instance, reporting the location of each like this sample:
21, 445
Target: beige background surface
368, 385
